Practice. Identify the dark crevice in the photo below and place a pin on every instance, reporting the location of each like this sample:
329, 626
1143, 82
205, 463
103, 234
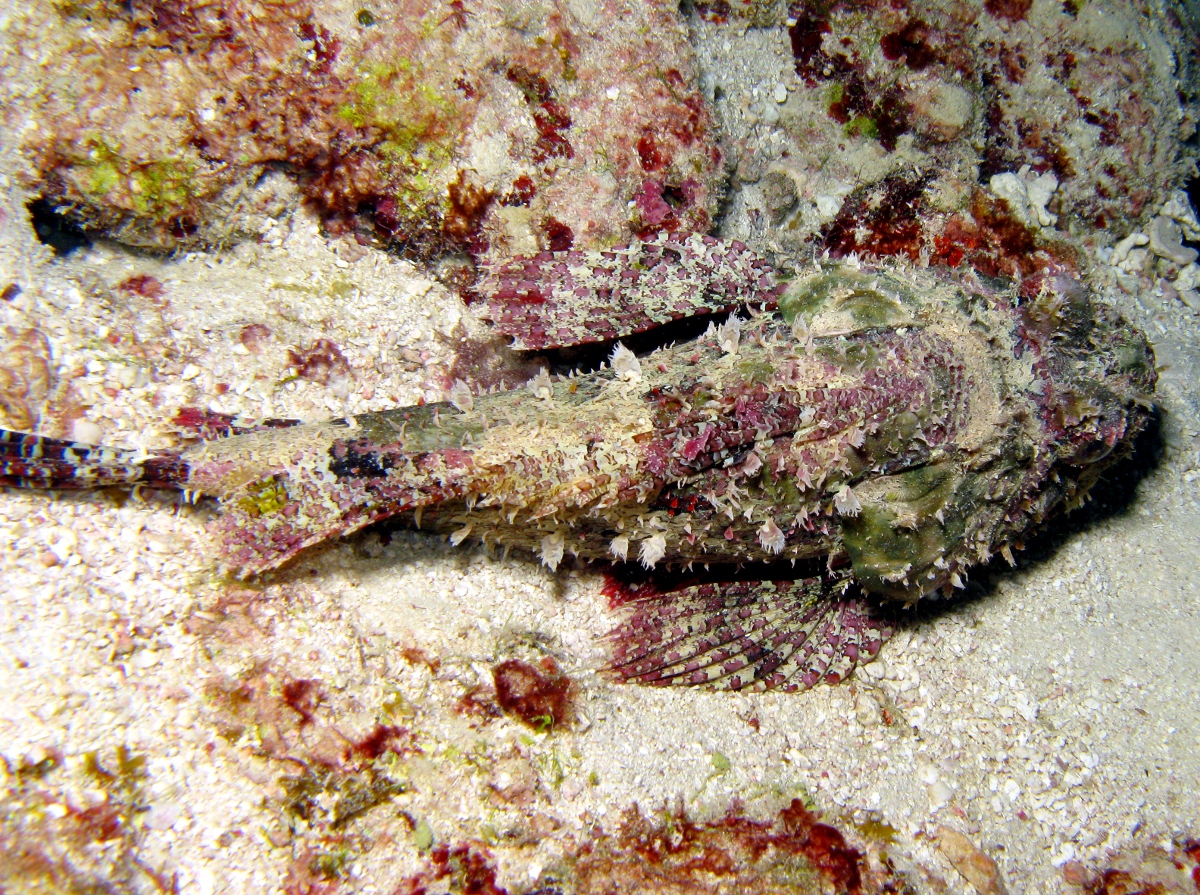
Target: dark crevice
588, 358
667, 578
55, 229
1192, 188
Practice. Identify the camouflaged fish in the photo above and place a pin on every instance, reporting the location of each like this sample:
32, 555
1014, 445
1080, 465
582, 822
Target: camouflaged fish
903, 425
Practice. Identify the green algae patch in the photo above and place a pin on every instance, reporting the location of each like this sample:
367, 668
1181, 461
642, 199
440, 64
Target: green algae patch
264, 498
158, 187
845, 297
861, 126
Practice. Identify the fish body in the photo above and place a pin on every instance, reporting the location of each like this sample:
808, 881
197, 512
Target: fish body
904, 424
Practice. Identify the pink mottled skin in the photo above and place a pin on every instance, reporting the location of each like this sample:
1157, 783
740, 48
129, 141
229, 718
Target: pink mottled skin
902, 425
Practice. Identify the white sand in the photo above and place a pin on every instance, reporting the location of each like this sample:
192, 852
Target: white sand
1051, 717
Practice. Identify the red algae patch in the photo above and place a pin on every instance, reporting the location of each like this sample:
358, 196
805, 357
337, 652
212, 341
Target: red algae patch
1154, 871
538, 696
319, 362
794, 852
753, 856
203, 123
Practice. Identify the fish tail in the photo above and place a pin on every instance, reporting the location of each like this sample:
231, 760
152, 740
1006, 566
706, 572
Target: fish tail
37, 461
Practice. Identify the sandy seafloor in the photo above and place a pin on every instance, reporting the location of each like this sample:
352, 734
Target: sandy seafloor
1050, 716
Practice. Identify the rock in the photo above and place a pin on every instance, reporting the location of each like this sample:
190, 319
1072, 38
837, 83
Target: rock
1122, 249
86, 431
943, 110
1166, 241
163, 816
1027, 195
940, 794
1179, 209
979, 869
866, 710
402, 133
779, 195
1075, 873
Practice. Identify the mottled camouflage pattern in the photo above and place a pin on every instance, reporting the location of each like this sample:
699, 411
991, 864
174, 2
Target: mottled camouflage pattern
555, 299
905, 423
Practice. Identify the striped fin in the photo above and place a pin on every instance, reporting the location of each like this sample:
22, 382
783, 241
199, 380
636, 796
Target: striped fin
753, 635
36, 461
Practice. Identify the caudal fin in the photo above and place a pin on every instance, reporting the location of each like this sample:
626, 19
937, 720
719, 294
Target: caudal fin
753, 635
35, 461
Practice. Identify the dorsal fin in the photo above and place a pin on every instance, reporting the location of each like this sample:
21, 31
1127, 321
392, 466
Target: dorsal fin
556, 299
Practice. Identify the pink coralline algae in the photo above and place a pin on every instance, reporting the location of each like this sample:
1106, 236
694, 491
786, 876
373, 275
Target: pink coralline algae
429, 127
674, 853
900, 425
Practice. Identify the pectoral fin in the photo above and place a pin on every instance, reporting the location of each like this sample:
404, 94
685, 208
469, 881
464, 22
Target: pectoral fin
756, 635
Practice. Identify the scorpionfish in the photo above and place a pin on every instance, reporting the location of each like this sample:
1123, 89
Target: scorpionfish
887, 428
